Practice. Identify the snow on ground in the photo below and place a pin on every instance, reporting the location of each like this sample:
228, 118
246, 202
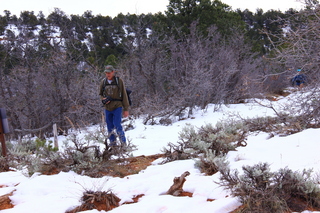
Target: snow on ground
61, 192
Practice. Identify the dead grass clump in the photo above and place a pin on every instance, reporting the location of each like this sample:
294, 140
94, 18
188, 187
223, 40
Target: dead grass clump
97, 200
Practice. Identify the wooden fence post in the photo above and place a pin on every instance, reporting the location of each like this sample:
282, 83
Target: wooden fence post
55, 135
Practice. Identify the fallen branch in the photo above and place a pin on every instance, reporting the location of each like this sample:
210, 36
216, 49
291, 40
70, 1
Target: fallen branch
33, 130
176, 188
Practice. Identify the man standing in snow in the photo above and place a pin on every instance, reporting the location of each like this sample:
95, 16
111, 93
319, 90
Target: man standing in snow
115, 100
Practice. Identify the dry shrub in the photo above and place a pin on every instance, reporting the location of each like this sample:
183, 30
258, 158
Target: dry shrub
208, 143
97, 200
82, 155
4, 166
263, 191
219, 140
207, 167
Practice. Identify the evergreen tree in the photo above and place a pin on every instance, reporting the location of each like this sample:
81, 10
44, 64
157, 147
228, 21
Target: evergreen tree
182, 13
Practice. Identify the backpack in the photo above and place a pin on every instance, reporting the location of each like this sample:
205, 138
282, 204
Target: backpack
127, 90
298, 79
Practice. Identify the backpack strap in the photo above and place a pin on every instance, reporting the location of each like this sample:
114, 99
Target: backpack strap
104, 83
117, 81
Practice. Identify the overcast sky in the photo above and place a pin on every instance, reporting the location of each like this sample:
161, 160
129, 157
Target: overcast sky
114, 7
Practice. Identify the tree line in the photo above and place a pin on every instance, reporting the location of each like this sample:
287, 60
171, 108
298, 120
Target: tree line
195, 53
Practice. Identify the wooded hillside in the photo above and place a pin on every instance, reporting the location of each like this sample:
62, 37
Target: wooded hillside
197, 52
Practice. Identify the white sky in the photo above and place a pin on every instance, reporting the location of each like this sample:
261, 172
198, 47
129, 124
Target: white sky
114, 7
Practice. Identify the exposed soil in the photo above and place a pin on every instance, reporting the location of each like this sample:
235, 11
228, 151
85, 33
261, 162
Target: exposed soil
135, 199
5, 202
133, 166
116, 168
299, 205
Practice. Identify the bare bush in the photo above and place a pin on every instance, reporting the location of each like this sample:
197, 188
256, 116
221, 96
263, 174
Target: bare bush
299, 47
171, 76
42, 84
300, 111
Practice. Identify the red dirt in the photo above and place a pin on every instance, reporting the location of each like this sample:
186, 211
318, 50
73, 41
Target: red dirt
135, 199
5, 202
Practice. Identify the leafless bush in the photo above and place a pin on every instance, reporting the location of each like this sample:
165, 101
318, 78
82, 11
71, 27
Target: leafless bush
299, 47
44, 84
300, 111
171, 76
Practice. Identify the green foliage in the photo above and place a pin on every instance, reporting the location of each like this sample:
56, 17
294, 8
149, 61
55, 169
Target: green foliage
42, 144
29, 19
111, 60
260, 23
182, 13
3, 24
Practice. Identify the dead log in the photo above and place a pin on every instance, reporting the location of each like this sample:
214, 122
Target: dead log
176, 188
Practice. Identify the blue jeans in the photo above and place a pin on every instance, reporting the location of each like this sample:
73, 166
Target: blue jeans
113, 120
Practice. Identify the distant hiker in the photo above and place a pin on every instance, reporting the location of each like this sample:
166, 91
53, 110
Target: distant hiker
115, 101
299, 80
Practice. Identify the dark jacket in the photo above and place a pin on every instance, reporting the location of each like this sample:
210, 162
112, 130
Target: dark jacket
116, 92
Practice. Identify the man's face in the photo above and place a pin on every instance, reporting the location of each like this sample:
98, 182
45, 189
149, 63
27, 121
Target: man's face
109, 75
